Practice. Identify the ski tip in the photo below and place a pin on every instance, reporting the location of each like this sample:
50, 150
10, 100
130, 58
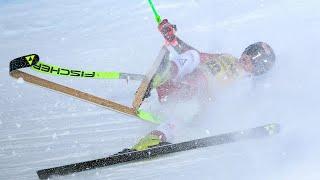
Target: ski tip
30, 58
24, 61
42, 174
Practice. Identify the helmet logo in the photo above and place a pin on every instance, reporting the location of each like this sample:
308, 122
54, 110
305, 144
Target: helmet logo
259, 54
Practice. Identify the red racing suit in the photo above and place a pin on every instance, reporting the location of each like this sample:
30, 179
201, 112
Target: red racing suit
198, 73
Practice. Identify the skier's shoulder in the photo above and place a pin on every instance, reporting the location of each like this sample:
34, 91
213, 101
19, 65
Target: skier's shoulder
227, 56
217, 57
220, 65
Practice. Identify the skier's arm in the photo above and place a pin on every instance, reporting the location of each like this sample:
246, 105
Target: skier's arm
205, 57
182, 47
168, 32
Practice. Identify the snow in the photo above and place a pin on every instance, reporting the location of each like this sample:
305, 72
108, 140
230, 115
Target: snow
20, 80
41, 128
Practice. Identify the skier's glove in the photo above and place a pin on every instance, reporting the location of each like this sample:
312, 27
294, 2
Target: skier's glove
168, 31
164, 73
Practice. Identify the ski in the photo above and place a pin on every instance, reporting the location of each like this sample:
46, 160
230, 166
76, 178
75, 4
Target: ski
130, 155
32, 61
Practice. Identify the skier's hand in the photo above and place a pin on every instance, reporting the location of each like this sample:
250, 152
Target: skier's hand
148, 92
163, 75
168, 31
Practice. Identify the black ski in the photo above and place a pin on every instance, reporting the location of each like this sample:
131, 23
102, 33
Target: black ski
258, 132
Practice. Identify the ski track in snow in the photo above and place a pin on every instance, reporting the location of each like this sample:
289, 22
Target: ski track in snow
41, 129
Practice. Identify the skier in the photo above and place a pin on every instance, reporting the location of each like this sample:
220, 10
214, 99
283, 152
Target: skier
193, 73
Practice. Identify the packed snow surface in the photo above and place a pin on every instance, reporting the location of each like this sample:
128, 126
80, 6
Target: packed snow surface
41, 128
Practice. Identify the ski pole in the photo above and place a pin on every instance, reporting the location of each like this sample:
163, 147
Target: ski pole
155, 13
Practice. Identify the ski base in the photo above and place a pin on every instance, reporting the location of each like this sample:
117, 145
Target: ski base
258, 132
